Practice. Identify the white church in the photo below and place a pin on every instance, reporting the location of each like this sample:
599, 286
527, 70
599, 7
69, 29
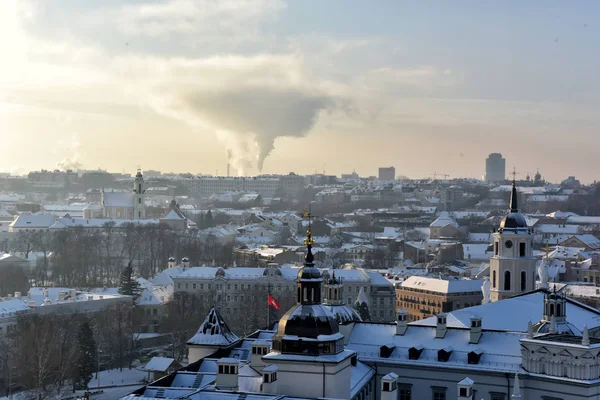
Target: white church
120, 205
521, 343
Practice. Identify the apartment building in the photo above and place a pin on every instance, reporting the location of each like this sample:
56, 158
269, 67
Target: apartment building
426, 297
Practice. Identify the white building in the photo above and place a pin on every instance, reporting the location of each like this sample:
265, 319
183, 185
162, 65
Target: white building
124, 205
513, 265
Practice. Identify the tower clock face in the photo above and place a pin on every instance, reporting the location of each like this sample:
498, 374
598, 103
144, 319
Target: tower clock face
508, 244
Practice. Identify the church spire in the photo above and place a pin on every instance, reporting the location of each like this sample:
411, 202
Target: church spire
514, 206
309, 241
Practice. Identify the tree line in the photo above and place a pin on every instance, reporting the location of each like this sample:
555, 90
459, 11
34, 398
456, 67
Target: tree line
81, 257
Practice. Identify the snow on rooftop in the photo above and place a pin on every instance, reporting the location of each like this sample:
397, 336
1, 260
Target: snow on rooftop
443, 286
159, 364
513, 314
213, 331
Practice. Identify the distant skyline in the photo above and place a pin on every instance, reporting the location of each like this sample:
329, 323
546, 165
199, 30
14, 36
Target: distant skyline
303, 86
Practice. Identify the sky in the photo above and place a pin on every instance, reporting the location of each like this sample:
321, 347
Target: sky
274, 86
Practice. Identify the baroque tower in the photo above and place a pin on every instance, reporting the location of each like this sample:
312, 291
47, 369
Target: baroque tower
513, 266
139, 190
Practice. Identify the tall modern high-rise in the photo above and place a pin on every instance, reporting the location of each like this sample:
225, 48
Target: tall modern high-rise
387, 173
495, 168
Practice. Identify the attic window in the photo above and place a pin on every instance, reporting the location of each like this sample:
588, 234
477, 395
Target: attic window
473, 357
415, 352
444, 354
386, 351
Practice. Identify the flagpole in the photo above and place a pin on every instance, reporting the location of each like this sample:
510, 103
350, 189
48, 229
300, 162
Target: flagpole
268, 305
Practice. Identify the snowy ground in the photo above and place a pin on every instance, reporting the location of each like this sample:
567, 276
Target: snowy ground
116, 377
125, 382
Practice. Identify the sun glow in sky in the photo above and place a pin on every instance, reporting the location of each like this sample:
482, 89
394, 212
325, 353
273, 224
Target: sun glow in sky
303, 86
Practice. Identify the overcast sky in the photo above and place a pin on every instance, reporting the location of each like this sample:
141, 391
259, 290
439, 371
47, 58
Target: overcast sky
304, 86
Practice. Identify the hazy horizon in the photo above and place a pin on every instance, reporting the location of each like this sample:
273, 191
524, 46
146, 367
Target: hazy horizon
302, 86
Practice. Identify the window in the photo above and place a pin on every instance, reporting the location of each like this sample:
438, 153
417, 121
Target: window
438, 393
506, 280
194, 286
522, 247
404, 392
497, 396
494, 279
495, 248
523, 281
139, 200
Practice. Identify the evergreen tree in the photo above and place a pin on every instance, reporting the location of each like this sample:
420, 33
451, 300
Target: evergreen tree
129, 286
87, 359
209, 220
363, 310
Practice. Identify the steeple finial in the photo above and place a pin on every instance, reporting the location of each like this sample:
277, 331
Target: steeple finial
309, 241
514, 206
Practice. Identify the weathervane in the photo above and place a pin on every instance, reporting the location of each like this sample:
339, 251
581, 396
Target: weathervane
514, 174
309, 241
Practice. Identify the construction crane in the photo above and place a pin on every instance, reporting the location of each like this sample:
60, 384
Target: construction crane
435, 175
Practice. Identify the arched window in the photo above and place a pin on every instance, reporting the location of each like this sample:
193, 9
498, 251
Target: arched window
551, 310
507, 280
523, 281
558, 310
494, 279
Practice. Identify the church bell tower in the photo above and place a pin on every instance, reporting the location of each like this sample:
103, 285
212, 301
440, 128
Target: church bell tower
513, 266
139, 190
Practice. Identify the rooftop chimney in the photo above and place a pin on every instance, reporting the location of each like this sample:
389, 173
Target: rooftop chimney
227, 374
401, 323
270, 384
259, 348
475, 333
465, 389
440, 331
17, 295
171, 262
389, 387
185, 262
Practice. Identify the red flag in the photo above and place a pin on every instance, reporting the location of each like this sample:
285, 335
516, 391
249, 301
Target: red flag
273, 303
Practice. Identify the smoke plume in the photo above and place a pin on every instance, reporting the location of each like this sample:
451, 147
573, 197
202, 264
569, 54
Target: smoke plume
248, 102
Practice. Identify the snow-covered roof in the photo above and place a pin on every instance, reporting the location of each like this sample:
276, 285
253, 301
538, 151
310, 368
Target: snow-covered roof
173, 215
213, 331
556, 228
33, 221
547, 197
583, 220
500, 350
513, 314
590, 241
480, 237
562, 214
159, 364
11, 307
118, 199
442, 285
565, 253
63, 223
443, 220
